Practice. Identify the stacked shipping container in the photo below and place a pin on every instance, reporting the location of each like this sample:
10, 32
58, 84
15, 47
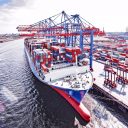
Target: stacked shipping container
71, 54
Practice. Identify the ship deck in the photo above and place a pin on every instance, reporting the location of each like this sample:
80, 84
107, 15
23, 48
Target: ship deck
120, 93
71, 77
59, 73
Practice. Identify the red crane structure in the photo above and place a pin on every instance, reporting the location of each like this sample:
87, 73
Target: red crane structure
71, 29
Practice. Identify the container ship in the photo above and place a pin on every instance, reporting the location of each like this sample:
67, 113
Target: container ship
60, 54
59, 67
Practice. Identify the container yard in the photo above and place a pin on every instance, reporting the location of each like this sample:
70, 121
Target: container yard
112, 58
79, 62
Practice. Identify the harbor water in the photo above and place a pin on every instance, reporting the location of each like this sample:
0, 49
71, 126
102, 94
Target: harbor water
25, 102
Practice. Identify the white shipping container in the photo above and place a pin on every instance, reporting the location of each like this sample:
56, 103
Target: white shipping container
126, 61
120, 49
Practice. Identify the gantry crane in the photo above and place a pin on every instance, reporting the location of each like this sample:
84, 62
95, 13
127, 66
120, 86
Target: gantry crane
72, 29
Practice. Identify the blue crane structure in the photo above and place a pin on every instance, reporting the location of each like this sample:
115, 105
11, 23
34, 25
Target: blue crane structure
72, 29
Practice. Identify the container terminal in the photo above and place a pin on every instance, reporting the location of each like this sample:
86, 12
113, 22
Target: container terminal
109, 51
78, 47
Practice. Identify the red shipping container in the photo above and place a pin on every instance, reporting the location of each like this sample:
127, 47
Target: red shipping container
55, 48
78, 51
115, 60
45, 69
68, 49
62, 44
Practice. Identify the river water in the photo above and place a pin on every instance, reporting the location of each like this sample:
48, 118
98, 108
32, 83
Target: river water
25, 102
